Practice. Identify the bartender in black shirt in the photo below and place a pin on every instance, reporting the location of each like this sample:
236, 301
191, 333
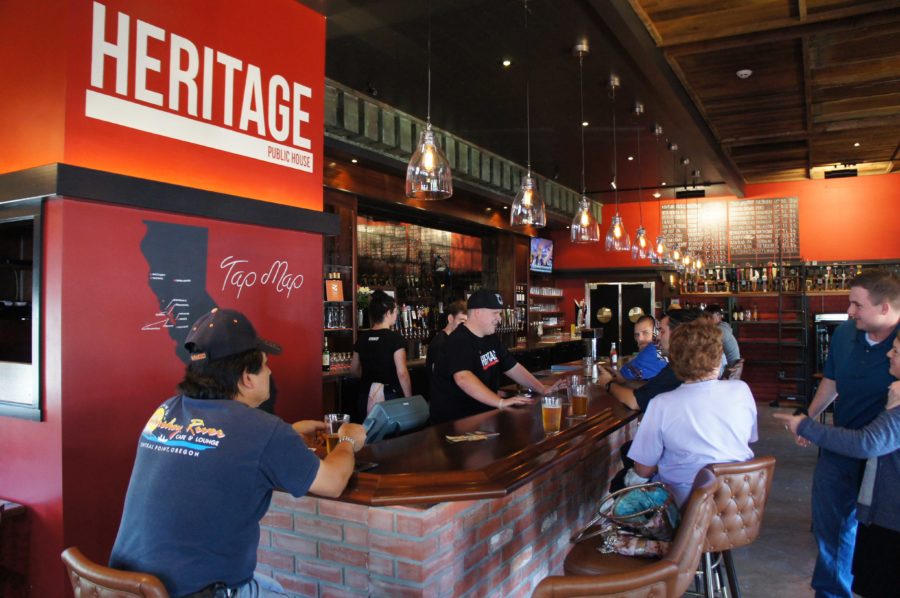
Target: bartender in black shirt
468, 373
456, 315
379, 356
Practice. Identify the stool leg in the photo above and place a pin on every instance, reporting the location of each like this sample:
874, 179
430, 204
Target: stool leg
708, 574
734, 589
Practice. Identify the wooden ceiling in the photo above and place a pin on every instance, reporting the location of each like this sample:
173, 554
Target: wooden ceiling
826, 75
825, 86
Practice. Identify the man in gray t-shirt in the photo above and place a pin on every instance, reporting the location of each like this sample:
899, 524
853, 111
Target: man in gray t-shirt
729, 343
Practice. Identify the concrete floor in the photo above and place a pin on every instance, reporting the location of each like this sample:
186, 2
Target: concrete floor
780, 563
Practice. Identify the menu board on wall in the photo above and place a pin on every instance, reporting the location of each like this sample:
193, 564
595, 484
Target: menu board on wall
737, 231
762, 230
699, 229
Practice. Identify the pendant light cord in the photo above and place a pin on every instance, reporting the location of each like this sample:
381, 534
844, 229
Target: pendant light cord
615, 152
640, 189
527, 91
428, 110
581, 95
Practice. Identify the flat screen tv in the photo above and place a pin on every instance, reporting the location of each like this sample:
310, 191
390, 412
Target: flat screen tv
541, 255
395, 416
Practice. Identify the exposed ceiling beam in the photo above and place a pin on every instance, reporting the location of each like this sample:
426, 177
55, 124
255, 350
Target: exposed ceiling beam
712, 39
624, 27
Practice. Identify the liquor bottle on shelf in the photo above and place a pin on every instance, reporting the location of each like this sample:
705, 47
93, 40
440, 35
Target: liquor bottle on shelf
326, 357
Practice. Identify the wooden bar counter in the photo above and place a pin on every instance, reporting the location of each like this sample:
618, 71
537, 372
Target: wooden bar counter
435, 518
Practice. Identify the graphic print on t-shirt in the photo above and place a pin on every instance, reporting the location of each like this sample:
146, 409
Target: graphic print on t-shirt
172, 436
489, 360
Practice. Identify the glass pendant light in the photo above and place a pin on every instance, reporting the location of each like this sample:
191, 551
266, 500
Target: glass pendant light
687, 260
676, 258
660, 247
428, 174
617, 238
585, 228
698, 258
641, 248
528, 206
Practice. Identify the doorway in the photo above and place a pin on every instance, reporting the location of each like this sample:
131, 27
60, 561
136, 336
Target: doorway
614, 307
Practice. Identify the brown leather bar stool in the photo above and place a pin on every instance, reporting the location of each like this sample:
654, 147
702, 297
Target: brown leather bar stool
592, 573
92, 580
740, 503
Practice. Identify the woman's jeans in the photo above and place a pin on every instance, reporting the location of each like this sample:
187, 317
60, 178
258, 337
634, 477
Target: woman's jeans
835, 486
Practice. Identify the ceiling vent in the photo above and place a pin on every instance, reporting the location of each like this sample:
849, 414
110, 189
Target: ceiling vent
690, 193
840, 173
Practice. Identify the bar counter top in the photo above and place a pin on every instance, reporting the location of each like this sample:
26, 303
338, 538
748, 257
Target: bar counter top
425, 468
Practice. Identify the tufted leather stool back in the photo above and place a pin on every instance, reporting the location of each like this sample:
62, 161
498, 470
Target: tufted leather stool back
613, 575
740, 503
90, 580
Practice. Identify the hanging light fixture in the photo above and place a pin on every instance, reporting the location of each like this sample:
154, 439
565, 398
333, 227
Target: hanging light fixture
641, 249
660, 248
428, 174
585, 228
528, 206
699, 263
676, 256
687, 256
687, 260
617, 238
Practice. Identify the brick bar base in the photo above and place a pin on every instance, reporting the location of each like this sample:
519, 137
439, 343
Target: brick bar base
501, 547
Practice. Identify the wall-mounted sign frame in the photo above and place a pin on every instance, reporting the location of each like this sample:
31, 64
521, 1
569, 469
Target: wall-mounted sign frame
21, 239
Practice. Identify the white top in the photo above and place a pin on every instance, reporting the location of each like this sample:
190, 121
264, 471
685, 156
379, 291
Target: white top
695, 425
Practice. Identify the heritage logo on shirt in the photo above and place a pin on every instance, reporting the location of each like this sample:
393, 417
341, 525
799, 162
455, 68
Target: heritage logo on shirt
170, 436
489, 359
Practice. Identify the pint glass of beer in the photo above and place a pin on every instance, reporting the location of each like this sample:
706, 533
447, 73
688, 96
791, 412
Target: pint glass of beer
551, 413
578, 396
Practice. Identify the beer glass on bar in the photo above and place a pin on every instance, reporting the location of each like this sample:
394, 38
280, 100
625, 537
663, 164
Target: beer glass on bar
578, 396
551, 413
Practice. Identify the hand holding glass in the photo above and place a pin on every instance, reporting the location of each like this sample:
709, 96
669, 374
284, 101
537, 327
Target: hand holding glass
333, 423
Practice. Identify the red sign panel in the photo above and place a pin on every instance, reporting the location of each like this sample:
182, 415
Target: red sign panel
223, 95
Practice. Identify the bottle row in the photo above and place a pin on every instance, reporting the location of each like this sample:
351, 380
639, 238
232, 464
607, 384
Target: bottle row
545, 291
738, 313
770, 278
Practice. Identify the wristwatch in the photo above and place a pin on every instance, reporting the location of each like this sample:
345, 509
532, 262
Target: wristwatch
608, 384
348, 439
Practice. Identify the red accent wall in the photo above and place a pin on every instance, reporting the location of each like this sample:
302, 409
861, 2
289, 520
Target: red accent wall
840, 219
108, 365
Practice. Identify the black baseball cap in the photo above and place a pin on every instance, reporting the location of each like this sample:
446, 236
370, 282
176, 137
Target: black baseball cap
484, 299
224, 332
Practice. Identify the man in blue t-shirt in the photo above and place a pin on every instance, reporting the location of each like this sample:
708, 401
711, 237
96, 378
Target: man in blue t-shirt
649, 360
635, 395
856, 379
207, 463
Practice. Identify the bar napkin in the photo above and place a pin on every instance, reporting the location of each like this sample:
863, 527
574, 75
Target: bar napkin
470, 436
